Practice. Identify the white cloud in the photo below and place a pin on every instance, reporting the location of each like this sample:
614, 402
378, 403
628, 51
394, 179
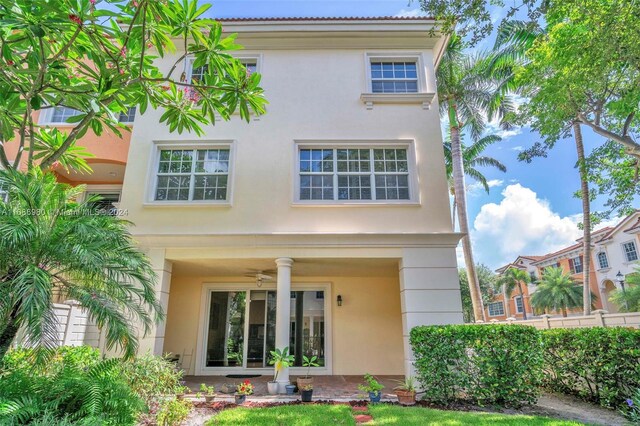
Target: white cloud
493, 128
521, 224
476, 188
518, 148
410, 13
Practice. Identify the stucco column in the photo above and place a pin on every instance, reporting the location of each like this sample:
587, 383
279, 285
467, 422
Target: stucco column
283, 312
154, 341
429, 292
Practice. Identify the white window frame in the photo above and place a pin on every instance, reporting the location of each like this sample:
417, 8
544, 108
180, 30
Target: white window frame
494, 304
244, 58
574, 270
417, 57
46, 117
152, 179
606, 259
414, 198
127, 115
515, 302
625, 254
201, 344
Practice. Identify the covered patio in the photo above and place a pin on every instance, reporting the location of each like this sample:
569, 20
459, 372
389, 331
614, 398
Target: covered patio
337, 387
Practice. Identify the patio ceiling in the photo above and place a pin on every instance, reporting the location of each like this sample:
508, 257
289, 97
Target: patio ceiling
301, 267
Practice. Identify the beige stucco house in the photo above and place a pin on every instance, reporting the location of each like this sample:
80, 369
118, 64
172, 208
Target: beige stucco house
323, 225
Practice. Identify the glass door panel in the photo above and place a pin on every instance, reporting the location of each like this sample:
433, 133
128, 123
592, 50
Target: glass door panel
262, 330
225, 332
307, 326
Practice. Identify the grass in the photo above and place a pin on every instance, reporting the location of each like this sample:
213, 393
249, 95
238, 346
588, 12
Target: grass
395, 415
302, 415
383, 414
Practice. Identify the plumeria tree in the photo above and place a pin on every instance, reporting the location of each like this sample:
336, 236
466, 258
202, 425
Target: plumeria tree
101, 57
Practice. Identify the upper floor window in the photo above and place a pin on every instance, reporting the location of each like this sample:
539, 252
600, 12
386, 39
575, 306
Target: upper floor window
106, 203
198, 73
519, 304
496, 309
603, 262
127, 116
193, 175
575, 265
630, 252
394, 76
343, 174
61, 114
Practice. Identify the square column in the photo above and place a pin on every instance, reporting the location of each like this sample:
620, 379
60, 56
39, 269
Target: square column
429, 292
154, 341
283, 313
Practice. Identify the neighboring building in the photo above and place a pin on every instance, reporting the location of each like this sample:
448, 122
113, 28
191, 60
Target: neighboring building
497, 309
615, 249
324, 224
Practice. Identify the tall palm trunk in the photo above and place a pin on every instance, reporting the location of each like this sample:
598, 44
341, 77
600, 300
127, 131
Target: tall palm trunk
453, 213
586, 220
506, 301
524, 307
461, 202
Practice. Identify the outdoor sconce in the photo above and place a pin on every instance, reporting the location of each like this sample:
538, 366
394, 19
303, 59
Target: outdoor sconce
339, 300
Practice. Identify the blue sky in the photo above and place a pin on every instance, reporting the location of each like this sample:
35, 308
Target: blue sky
530, 208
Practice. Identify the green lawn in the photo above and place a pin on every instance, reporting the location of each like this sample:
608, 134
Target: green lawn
313, 415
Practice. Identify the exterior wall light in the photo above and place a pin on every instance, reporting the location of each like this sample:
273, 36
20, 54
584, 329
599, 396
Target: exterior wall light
339, 300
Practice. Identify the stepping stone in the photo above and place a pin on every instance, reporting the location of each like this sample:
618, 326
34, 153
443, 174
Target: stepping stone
363, 409
363, 418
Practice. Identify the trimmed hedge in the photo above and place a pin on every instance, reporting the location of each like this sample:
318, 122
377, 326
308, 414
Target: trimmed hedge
482, 364
601, 365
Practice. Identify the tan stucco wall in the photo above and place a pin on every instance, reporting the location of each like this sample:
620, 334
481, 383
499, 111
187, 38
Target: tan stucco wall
367, 328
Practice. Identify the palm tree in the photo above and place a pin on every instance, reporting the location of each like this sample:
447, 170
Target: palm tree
511, 279
468, 95
557, 291
52, 244
472, 158
513, 41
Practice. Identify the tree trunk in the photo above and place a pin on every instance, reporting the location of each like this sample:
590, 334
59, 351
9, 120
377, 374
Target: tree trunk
463, 223
453, 213
586, 220
507, 308
564, 312
8, 334
524, 307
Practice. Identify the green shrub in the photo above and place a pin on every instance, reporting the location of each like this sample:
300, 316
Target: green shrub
483, 364
173, 411
75, 387
601, 365
151, 376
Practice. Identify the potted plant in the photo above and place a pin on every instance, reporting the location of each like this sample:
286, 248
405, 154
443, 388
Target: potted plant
181, 391
208, 391
406, 391
290, 389
306, 393
372, 387
280, 359
307, 380
242, 390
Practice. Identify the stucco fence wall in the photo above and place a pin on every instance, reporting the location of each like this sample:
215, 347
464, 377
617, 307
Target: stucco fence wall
73, 327
600, 318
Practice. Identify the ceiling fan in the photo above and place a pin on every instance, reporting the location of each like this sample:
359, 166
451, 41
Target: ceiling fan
260, 276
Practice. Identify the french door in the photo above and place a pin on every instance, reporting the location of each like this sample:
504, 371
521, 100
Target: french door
240, 327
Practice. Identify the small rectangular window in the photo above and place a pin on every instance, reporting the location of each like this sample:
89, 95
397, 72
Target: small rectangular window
107, 202
193, 175
198, 73
575, 265
344, 174
603, 261
630, 252
394, 76
127, 116
496, 309
519, 304
61, 114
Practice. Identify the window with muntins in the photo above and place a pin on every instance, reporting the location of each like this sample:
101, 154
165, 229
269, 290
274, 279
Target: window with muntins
394, 76
630, 252
496, 309
198, 73
575, 265
342, 174
61, 114
603, 262
193, 175
519, 304
127, 116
